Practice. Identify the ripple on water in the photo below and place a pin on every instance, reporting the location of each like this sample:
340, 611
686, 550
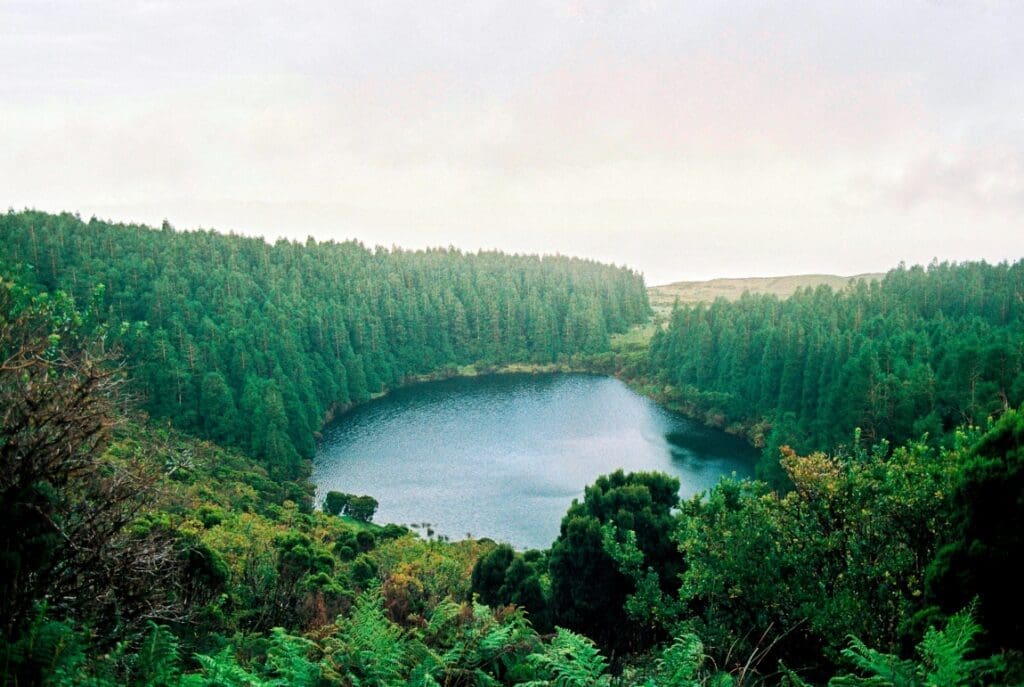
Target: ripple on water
504, 456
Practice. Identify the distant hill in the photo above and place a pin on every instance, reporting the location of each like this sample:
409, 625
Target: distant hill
662, 297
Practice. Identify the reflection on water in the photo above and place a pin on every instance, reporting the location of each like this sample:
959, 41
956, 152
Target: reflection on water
504, 456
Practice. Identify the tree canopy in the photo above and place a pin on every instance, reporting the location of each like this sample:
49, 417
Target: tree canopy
880, 551
253, 344
923, 351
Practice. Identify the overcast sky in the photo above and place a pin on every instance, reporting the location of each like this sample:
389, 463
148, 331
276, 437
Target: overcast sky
686, 139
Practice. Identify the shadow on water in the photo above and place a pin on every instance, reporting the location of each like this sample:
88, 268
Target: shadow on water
702, 441
503, 456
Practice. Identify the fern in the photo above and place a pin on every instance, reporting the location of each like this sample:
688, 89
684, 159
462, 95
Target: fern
943, 662
442, 619
570, 660
422, 676
471, 647
157, 662
484, 679
496, 640
882, 669
944, 653
680, 663
288, 661
369, 648
790, 678
222, 670
52, 649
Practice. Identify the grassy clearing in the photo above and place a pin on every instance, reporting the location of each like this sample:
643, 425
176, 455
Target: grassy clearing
636, 338
359, 524
689, 292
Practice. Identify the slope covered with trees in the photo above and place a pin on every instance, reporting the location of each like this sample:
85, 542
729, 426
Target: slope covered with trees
921, 351
147, 557
251, 344
137, 554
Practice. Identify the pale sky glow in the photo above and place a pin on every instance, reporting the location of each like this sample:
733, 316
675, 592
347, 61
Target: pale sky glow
688, 140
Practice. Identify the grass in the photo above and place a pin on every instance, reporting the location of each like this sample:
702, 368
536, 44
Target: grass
636, 338
359, 524
690, 292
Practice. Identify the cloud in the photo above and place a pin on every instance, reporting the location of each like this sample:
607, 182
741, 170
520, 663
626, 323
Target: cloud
693, 139
986, 179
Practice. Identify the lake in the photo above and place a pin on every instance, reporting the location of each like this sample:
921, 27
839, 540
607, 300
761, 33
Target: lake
503, 456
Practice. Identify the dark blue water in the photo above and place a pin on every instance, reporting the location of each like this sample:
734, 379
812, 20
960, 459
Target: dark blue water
504, 456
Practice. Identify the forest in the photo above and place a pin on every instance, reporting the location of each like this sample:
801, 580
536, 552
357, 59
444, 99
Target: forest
251, 344
917, 354
161, 391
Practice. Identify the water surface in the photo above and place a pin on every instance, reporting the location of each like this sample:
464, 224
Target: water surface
504, 456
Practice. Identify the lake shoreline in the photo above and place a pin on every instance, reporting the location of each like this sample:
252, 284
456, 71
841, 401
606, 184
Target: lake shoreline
469, 371
666, 396
528, 438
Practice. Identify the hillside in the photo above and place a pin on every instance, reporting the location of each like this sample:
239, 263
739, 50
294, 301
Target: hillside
919, 353
252, 344
690, 292
137, 554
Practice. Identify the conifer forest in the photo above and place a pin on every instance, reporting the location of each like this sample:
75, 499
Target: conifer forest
162, 390
504, 343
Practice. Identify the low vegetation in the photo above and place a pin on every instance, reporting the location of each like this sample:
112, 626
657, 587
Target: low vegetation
251, 345
137, 550
693, 292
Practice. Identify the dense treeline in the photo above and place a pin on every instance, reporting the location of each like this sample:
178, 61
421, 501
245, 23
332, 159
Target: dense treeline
921, 351
136, 555
876, 545
251, 344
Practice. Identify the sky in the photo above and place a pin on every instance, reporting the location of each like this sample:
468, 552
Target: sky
688, 140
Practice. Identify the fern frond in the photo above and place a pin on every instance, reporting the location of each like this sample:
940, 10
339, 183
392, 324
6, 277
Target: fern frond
288, 660
157, 662
422, 676
570, 660
223, 670
944, 653
54, 646
943, 659
442, 618
883, 669
496, 640
369, 647
680, 662
483, 679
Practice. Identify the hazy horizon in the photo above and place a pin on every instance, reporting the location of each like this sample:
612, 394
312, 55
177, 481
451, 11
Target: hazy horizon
686, 142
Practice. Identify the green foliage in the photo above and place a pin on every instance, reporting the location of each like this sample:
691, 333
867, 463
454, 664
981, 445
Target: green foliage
48, 652
66, 503
942, 660
979, 553
288, 661
252, 344
157, 661
680, 662
790, 576
367, 645
470, 642
569, 660
502, 576
335, 502
921, 351
361, 508
589, 590
221, 670
489, 574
